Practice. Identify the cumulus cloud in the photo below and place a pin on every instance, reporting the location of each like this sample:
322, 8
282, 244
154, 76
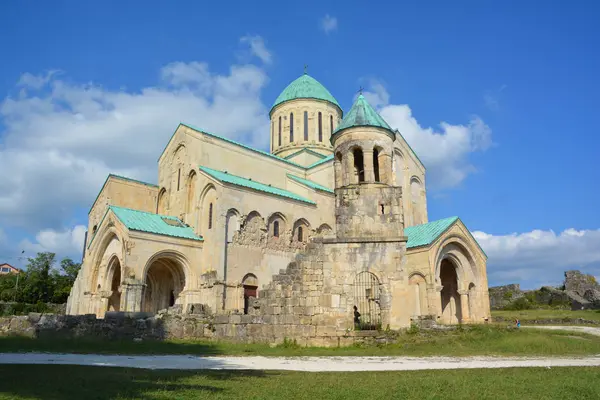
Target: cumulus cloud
540, 257
65, 243
61, 139
444, 151
258, 48
329, 24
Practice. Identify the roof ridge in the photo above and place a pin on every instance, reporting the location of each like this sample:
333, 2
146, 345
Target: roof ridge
117, 177
249, 183
310, 183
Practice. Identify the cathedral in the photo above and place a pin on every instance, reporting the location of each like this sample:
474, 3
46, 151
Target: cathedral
328, 229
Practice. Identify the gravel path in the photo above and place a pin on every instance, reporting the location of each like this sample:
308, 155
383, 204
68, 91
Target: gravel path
313, 364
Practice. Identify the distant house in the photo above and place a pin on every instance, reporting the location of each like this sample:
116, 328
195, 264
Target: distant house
8, 269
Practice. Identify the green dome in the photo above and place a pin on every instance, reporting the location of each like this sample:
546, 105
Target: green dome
362, 114
305, 87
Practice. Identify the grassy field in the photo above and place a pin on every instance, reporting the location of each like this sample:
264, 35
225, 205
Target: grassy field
470, 340
567, 315
76, 382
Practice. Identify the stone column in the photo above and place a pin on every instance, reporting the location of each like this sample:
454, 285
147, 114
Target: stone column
132, 296
337, 171
385, 169
349, 177
368, 166
464, 305
437, 305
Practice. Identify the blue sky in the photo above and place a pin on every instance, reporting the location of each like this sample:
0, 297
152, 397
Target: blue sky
515, 82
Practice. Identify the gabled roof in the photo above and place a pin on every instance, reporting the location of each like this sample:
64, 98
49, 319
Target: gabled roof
226, 177
305, 87
362, 114
305, 150
310, 183
323, 161
425, 234
165, 225
123, 178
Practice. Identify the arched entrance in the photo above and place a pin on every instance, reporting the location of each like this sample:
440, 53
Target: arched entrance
250, 285
451, 307
165, 280
114, 280
367, 302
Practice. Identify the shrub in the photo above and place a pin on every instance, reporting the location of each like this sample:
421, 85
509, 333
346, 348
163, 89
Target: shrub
521, 303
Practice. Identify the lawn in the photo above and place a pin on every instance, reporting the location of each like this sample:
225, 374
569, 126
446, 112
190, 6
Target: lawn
567, 316
470, 340
76, 382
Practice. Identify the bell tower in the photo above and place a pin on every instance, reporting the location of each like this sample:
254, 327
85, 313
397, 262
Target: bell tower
368, 206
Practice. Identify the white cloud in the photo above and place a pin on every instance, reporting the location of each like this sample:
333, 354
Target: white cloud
258, 48
540, 257
445, 152
65, 243
31, 81
329, 23
61, 141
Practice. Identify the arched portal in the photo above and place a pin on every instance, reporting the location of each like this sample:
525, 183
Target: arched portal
451, 307
250, 284
165, 280
367, 302
114, 279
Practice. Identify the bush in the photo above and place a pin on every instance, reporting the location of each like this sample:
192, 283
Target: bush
521, 303
508, 295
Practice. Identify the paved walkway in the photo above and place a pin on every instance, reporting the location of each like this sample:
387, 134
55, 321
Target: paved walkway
313, 364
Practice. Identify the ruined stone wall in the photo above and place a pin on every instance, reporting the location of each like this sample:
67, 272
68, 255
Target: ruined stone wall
369, 211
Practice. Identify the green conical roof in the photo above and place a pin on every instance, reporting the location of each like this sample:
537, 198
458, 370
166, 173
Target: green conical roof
362, 114
305, 87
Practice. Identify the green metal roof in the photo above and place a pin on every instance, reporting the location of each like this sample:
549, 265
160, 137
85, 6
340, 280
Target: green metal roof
122, 178
361, 114
323, 161
305, 87
249, 183
310, 184
425, 234
142, 221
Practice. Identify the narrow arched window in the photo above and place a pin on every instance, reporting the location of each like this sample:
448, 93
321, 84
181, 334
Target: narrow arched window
320, 127
210, 215
376, 164
299, 233
279, 141
359, 167
272, 135
276, 229
291, 127
331, 124
306, 126
178, 178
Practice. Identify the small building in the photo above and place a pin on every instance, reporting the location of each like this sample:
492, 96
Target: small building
6, 269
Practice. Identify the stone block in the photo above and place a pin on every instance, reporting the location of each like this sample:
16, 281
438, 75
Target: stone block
235, 319
221, 319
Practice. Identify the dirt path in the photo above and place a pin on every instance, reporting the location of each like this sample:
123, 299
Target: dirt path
580, 329
313, 364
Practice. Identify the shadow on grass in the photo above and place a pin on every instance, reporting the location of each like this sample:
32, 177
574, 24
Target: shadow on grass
76, 382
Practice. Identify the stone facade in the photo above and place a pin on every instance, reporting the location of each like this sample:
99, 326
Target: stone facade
323, 234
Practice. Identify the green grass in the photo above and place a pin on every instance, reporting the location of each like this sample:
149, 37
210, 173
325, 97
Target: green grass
471, 340
566, 315
89, 383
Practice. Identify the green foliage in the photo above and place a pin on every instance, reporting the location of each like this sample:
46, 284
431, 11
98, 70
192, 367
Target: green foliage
592, 279
413, 330
522, 303
41, 282
289, 343
508, 295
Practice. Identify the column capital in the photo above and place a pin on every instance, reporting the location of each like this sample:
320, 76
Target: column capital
463, 292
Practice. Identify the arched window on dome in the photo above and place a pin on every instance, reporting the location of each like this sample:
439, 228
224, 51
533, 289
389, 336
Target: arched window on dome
320, 127
306, 126
359, 166
272, 135
279, 141
291, 127
376, 164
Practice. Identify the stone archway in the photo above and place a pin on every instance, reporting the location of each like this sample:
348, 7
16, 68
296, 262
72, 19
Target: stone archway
450, 297
114, 283
165, 281
250, 285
